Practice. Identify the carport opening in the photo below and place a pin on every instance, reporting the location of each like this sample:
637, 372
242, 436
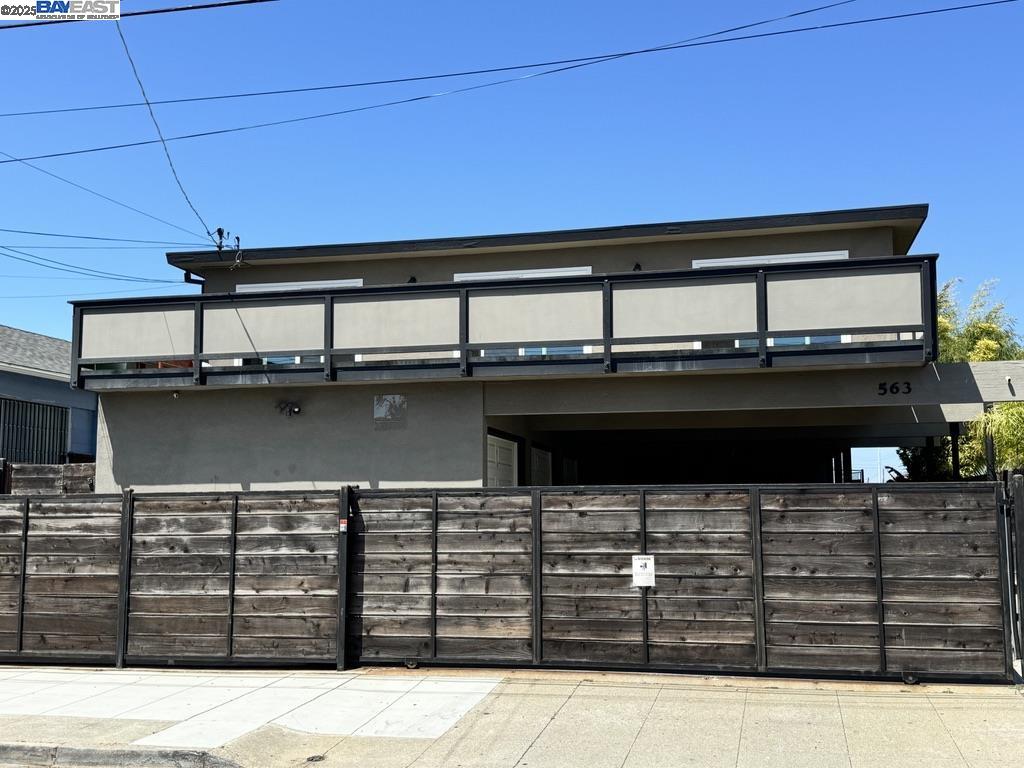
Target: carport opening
527, 451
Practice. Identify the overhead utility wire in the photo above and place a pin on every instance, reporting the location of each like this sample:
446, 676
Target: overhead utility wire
43, 261
47, 278
75, 295
150, 12
100, 194
425, 97
160, 135
96, 237
414, 78
36, 247
61, 266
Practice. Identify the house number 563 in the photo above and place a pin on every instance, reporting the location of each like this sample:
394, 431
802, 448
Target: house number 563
893, 388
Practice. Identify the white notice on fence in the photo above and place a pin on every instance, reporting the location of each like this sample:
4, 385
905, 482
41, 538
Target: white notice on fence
643, 570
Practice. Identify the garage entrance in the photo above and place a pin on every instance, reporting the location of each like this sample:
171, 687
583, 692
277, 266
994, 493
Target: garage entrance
657, 449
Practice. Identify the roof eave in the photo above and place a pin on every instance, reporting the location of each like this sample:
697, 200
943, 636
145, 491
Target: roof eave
906, 221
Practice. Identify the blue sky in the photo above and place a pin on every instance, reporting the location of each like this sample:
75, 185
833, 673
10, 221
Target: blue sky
924, 110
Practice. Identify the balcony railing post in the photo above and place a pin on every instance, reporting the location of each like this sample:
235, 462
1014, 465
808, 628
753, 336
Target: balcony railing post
762, 320
464, 369
197, 344
929, 306
76, 348
328, 338
606, 318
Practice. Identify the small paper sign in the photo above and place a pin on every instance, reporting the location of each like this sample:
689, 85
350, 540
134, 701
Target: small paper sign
643, 570
343, 525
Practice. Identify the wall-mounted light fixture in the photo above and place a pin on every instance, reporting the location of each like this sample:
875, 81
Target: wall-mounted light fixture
289, 408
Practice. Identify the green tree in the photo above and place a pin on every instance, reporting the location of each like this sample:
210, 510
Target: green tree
980, 332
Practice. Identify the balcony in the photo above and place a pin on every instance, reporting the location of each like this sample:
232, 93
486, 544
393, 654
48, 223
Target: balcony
865, 312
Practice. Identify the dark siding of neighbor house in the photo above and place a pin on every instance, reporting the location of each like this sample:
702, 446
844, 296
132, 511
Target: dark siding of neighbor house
42, 419
34, 433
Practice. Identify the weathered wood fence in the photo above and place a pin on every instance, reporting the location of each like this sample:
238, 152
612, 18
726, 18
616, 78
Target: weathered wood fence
833, 579
46, 479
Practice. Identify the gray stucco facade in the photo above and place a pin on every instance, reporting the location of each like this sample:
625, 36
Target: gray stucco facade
283, 390
232, 439
242, 439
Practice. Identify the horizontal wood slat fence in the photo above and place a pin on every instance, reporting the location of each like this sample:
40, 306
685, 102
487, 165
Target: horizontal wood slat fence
46, 479
878, 581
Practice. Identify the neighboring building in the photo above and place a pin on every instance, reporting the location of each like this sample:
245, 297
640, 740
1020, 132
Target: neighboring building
739, 350
42, 420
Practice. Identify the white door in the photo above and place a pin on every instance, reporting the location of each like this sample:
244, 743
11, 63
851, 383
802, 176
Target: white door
502, 462
540, 467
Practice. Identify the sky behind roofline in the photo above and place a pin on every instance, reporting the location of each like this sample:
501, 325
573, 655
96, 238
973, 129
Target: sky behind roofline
923, 110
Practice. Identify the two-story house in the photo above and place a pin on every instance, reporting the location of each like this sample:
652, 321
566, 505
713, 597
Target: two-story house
743, 350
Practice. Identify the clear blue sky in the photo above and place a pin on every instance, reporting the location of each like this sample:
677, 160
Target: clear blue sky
925, 110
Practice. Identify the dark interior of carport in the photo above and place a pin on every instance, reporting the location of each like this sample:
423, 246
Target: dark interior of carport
702, 448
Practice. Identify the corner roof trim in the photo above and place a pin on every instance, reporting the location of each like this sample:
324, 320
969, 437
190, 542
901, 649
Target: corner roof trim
906, 221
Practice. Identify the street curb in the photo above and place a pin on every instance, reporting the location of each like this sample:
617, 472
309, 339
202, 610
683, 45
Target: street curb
74, 757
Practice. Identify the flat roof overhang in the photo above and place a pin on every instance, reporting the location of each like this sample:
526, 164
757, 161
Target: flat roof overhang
905, 220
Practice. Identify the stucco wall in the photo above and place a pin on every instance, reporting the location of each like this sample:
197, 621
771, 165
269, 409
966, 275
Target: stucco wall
861, 243
237, 439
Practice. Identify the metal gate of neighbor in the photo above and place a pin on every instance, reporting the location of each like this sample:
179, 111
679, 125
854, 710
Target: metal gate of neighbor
862, 580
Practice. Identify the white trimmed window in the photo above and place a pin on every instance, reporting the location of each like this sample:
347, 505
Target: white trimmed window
299, 285
779, 258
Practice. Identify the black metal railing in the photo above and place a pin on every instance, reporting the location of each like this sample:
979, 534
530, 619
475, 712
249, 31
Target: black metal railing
760, 347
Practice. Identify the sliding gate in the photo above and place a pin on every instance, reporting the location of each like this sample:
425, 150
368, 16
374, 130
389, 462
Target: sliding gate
883, 581
891, 580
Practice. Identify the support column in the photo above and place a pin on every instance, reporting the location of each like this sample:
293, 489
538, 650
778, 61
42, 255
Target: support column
954, 448
125, 575
990, 450
344, 512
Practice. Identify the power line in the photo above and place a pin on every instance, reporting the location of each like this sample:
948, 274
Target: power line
426, 97
86, 247
150, 12
413, 78
62, 266
75, 295
99, 194
96, 237
47, 278
160, 133
44, 261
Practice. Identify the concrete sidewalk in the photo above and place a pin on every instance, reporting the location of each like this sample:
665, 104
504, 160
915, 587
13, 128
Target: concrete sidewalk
391, 718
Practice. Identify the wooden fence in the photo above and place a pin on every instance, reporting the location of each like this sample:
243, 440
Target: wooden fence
878, 581
46, 479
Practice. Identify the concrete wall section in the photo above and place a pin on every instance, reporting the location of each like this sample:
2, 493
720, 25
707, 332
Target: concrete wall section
398, 321
269, 327
937, 384
883, 299
542, 314
685, 309
861, 243
240, 440
119, 333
